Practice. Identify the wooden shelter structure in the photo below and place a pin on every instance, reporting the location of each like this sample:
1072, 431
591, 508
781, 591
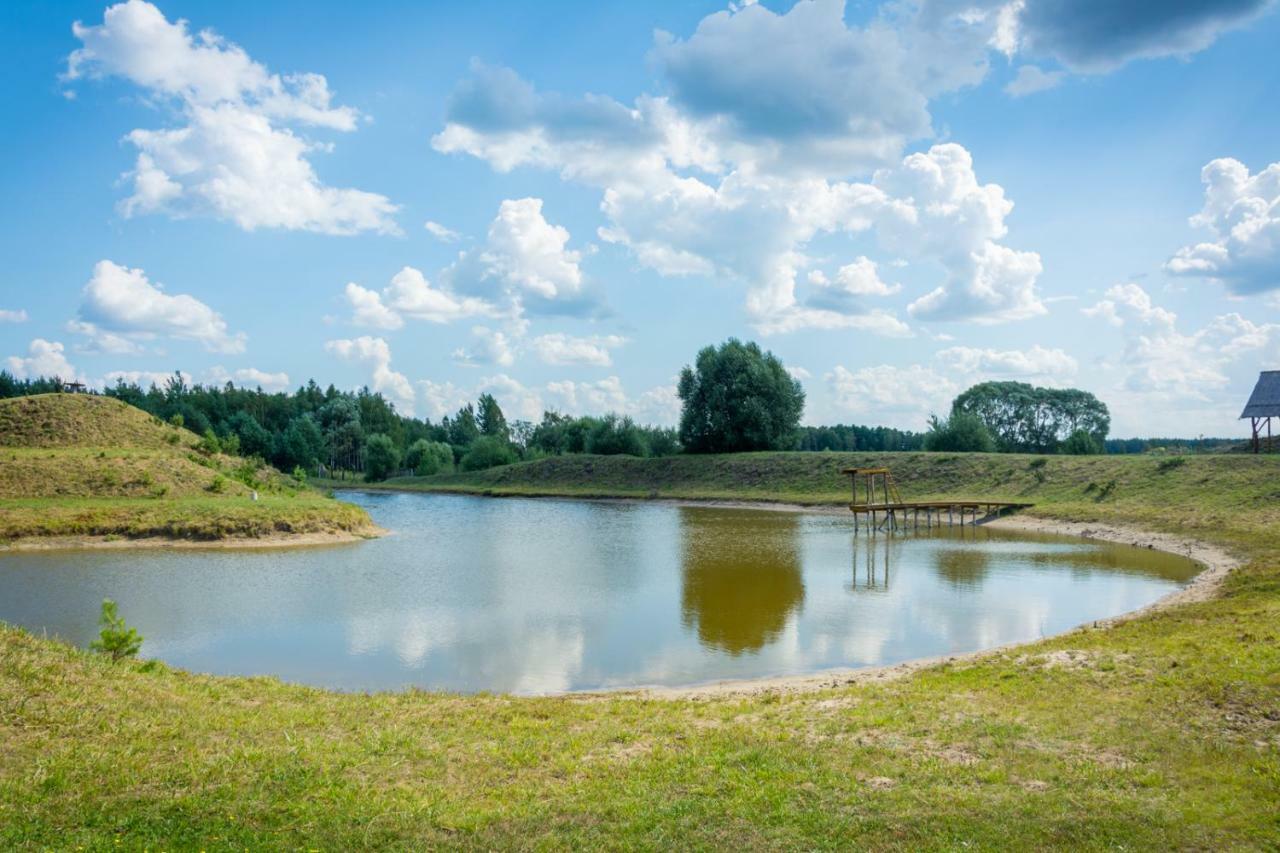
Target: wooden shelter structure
1263, 405
73, 387
875, 497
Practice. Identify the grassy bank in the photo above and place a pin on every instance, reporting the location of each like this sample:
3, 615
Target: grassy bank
1162, 732
1206, 492
83, 466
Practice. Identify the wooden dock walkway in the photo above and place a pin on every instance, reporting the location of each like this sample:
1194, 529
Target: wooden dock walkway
884, 509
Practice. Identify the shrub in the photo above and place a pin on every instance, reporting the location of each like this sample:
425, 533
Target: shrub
1081, 443
116, 638
487, 452
209, 443
1171, 463
172, 438
381, 457
219, 484
615, 436
177, 421
961, 432
429, 457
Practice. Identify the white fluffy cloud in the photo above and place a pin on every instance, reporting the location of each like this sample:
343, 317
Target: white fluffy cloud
561, 349
1160, 359
1242, 211
43, 358
1039, 364
249, 377
489, 346
411, 295
145, 378
235, 156
658, 405
120, 307
904, 396
441, 232
375, 353
368, 309
706, 182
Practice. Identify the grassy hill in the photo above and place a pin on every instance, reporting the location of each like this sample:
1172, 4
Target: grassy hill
1207, 490
79, 465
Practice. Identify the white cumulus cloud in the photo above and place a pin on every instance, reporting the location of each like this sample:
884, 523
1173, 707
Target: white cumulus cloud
375, 353
43, 358
1242, 211
235, 155
121, 306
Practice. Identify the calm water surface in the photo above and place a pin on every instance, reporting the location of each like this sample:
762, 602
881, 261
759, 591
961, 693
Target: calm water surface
537, 596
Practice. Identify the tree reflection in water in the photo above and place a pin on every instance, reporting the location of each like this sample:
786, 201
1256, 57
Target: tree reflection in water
962, 566
741, 575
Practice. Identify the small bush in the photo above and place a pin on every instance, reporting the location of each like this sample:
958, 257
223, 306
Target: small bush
1081, 443
429, 457
172, 438
116, 638
487, 452
177, 421
299, 475
1107, 488
1038, 462
218, 485
209, 444
1169, 464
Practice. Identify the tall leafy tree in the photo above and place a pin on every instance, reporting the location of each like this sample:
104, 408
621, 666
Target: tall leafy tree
1025, 419
489, 418
736, 398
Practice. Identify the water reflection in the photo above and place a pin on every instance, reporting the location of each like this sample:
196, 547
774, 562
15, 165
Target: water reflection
874, 553
962, 567
741, 575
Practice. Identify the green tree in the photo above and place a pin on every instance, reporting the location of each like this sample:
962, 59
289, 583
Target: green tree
254, 439
616, 436
1025, 419
463, 428
301, 444
737, 398
962, 432
381, 457
116, 638
429, 457
489, 418
1081, 443
487, 451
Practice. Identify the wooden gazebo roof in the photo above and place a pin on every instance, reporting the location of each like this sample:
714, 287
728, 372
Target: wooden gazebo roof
1264, 402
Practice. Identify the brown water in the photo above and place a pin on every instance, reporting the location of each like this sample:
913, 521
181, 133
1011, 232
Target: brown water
537, 596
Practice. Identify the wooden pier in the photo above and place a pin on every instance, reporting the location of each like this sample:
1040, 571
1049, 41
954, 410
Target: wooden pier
877, 499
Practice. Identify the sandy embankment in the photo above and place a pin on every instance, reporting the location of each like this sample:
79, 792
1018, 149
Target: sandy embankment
274, 540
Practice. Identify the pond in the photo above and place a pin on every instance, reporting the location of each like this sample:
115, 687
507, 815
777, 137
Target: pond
540, 596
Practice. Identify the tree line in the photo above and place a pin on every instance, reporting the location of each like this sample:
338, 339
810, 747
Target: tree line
735, 397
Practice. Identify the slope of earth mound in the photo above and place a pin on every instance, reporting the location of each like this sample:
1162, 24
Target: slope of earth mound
75, 465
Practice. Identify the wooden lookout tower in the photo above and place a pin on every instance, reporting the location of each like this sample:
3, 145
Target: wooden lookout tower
1263, 405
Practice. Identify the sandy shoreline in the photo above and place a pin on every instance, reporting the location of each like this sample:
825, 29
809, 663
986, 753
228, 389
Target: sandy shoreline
117, 543
1217, 562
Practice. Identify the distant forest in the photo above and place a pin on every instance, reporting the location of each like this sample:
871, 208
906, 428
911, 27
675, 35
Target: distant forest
314, 426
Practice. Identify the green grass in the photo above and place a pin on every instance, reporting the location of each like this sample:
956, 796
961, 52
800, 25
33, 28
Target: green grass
78, 465
1162, 732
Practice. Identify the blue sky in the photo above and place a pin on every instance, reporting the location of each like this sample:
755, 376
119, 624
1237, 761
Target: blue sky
899, 199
